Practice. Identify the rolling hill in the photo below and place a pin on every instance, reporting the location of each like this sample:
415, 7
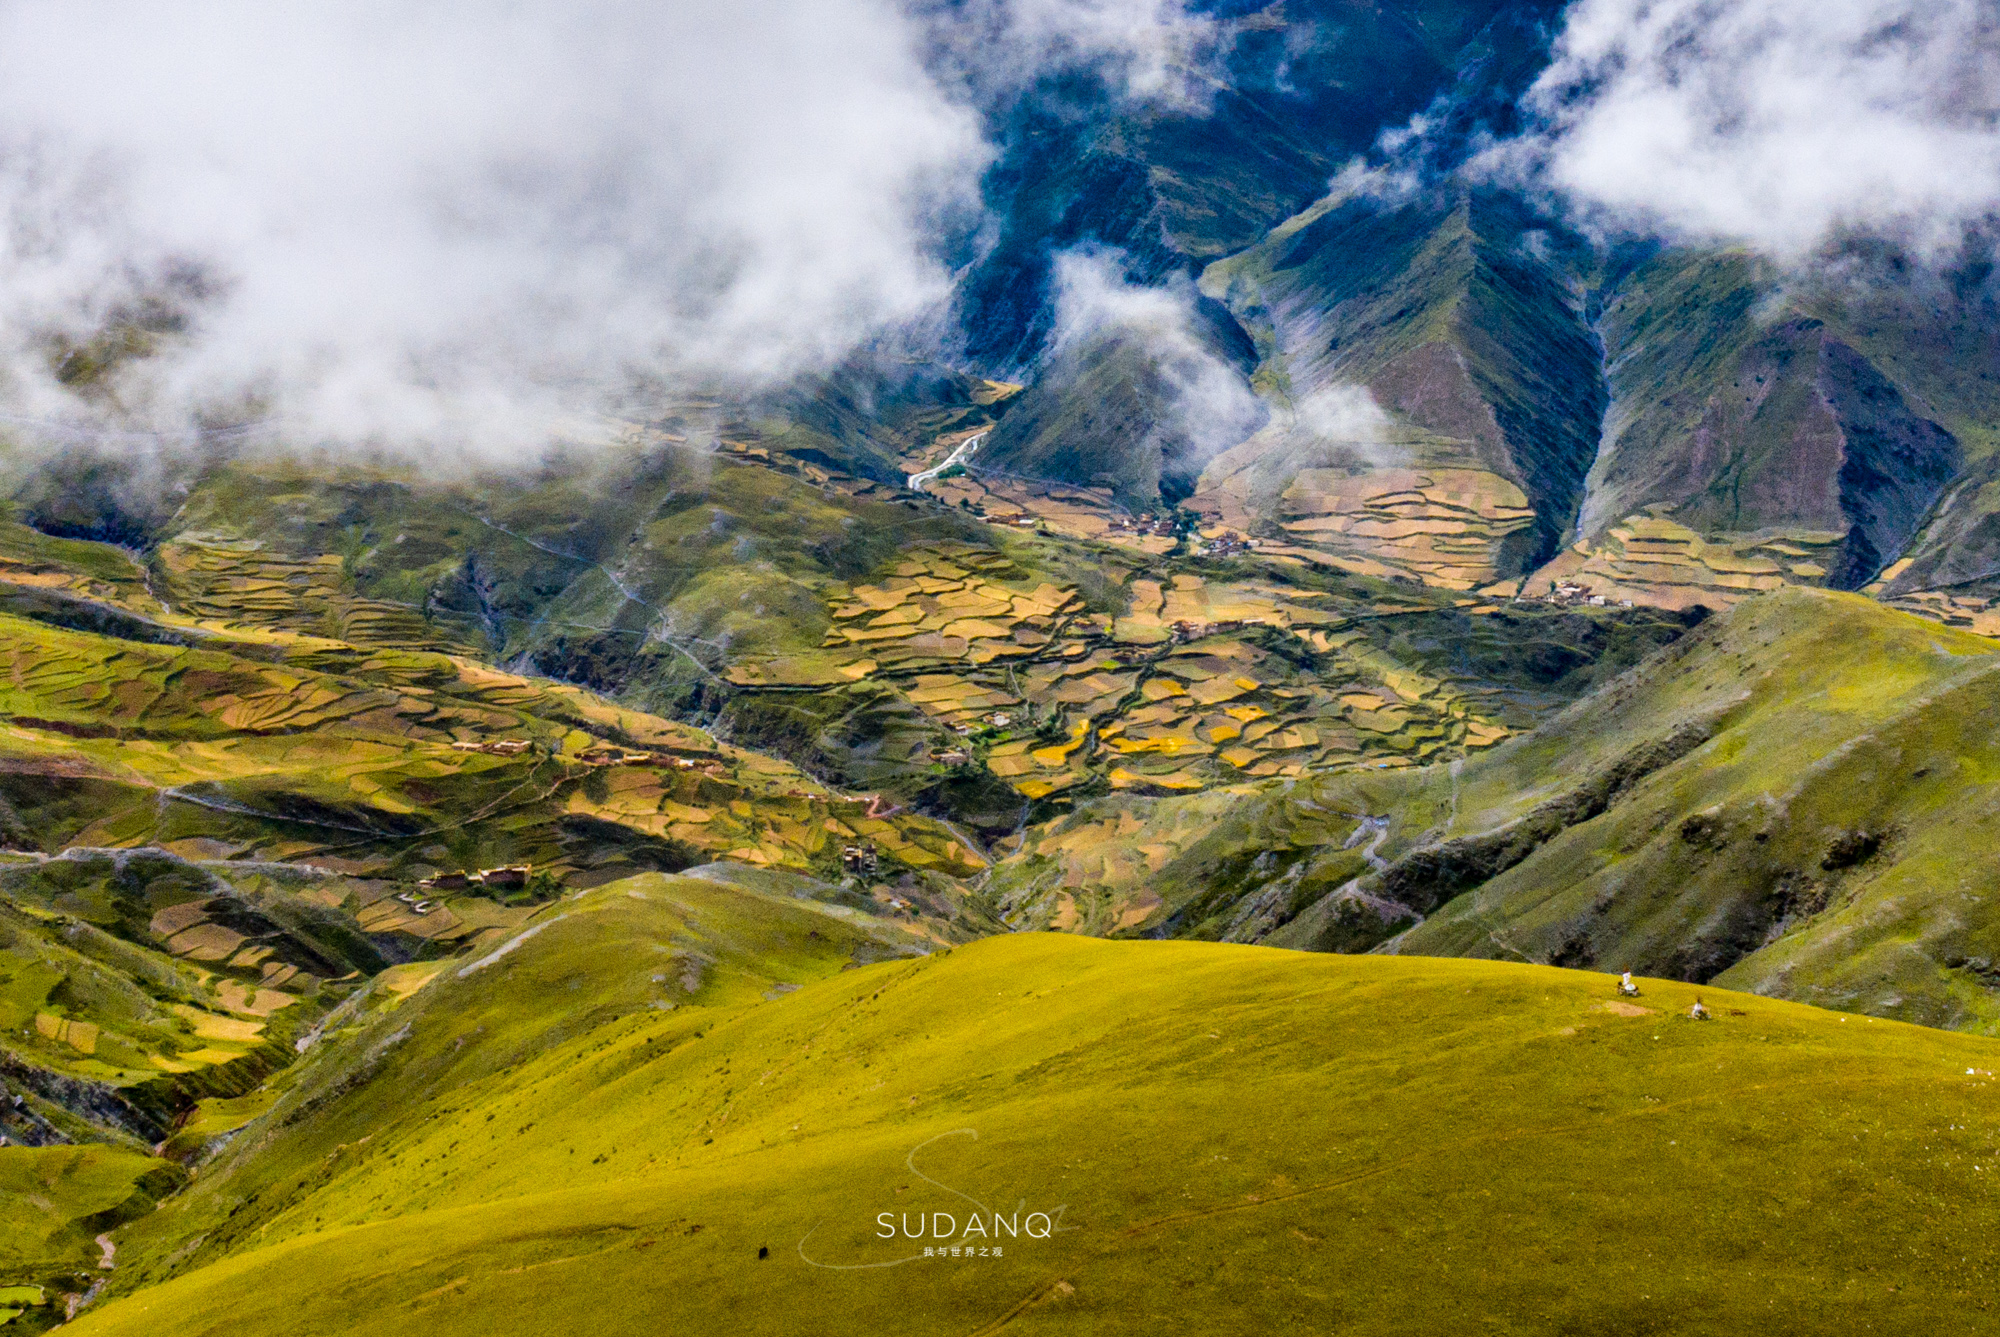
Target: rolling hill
1184, 1134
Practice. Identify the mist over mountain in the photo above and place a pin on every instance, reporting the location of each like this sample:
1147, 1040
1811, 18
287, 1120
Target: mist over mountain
1775, 123
483, 224
466, 222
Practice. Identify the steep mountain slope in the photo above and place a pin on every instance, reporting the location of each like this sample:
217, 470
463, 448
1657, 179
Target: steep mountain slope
1764, 431
1175, 182
1167, 183
138, 984
1470, 341
721, 1166
1694, 424
1129, 414
1786, 800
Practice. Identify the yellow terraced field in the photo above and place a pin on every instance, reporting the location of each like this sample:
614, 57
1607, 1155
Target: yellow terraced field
1443, 526
1647, 560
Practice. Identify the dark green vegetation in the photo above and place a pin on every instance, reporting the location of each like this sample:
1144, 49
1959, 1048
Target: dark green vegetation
1323, 1136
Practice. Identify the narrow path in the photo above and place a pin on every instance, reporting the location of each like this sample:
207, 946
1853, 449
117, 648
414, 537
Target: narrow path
177, 795
959, 456
110, 1251
1389, 910
1380, 826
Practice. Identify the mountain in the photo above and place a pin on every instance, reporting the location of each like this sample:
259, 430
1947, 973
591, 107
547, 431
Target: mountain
1174, 184
1484, 373
1122, 414
1758, 436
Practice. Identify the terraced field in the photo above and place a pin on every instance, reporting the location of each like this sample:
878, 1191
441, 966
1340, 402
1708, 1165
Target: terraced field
355, 755
1655, 561
1795, 799
33, 560
232, 582
888, 645
1181, 690
249, 816
145, 1033
1973, 605
1444, 527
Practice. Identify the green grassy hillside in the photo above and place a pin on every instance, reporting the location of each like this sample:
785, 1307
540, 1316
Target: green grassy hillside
868, 637
1228, 1139
1795, 798
56, 1206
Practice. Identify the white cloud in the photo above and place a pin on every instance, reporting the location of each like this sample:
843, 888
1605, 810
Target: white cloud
1210, 405
1342, 414
453, 221
1147, 50
1778, 123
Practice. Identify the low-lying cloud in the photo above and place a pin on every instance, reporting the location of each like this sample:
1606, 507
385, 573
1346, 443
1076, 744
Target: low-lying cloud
1158, 51
1208, 404
472, 222
1783, 124
392, 222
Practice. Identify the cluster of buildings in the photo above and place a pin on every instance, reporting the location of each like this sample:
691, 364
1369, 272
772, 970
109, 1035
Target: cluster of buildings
1228, 545
601, 754
1144, 526
508, 877
498, 747
605, 754
1569, 594
1194, 631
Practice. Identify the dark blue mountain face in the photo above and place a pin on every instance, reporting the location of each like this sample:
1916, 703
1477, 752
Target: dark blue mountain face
1606, 379
1308, 86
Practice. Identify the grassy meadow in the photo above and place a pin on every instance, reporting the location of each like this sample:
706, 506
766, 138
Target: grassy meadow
1221, 1138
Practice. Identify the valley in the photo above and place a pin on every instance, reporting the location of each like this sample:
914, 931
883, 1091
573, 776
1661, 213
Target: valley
255, 821
991, 668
